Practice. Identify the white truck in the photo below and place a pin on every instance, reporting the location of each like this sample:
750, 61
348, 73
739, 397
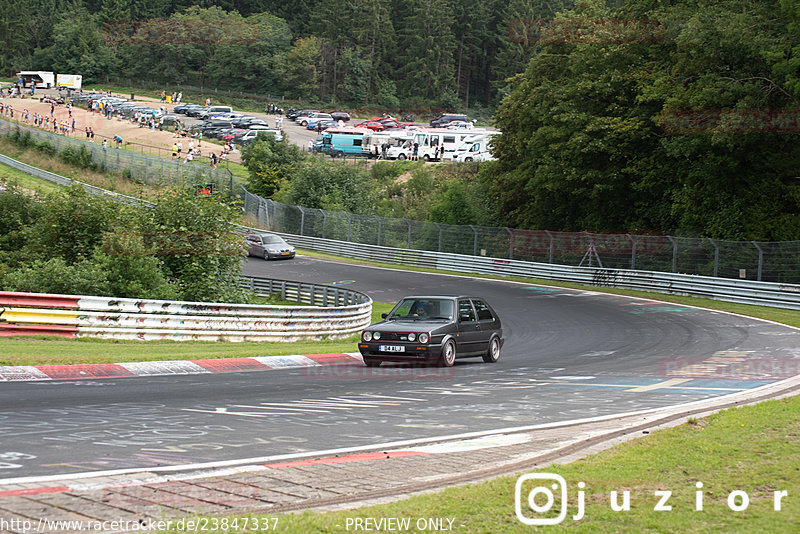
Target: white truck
476, 148
69, 81
39, 79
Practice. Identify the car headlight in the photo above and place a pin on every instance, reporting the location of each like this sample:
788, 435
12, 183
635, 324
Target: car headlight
423, 338
367, 336
376, 335
412, 337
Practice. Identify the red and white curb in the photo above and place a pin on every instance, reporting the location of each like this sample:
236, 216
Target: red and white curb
25, 373
486, 442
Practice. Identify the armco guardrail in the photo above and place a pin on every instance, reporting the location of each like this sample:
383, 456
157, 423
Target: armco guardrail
725, 289
62, 180
331, 313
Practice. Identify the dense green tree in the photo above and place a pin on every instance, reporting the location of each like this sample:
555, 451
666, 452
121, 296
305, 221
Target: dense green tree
594, 135
270, 164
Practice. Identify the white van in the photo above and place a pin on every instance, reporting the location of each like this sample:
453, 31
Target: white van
433, 144
477, 148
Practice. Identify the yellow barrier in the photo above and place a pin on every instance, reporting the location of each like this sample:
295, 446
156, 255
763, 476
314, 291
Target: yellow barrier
22, 315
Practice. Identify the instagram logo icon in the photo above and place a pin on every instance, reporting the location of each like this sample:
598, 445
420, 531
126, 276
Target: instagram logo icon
536, 494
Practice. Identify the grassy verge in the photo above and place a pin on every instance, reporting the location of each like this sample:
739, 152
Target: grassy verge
753, 449
54, 351
11, 176
109, 181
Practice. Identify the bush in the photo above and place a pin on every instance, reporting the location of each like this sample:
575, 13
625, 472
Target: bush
56, 276
77, 156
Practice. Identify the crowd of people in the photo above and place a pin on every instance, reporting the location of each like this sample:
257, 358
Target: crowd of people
68, 126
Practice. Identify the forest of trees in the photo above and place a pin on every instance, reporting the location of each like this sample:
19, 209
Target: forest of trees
694, 132
415, 53
643, 116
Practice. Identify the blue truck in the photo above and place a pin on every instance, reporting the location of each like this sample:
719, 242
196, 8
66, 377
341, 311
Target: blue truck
338, 142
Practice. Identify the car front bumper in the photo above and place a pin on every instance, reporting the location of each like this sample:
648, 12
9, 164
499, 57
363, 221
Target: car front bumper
419, 353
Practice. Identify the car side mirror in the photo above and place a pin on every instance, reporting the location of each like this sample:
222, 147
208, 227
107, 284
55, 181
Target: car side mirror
384, 315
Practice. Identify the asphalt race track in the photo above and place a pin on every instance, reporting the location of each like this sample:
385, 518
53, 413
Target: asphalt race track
568, 355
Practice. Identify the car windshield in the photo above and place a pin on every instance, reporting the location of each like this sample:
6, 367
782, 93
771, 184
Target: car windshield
423, 309
273, 240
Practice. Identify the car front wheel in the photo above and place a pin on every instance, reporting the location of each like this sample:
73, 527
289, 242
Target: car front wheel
266, 255
493, 353
448, 353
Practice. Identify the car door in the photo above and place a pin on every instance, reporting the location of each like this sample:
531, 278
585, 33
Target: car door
469, 329
489, 324
254, 244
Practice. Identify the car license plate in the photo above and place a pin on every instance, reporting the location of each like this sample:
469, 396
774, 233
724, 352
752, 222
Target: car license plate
285, 253
391, 348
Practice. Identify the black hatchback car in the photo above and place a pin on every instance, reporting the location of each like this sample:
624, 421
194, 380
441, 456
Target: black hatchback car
434, 329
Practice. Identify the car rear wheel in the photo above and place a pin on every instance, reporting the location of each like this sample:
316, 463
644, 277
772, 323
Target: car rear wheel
401, 157
304, 123
448, 354
426, 157
493, 353
372, 363
467, 159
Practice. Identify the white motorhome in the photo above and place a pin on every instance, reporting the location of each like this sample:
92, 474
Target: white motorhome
40, 79
69, 81
476, 148
372, 144
434, 144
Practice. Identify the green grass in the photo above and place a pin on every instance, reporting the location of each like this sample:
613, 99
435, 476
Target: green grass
54, 351
11, 176
755, 449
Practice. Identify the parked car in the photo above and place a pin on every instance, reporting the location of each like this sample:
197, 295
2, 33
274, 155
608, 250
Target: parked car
434, 329
372, 125
444, 118
250, 135
303, 120
269, 246
340, 116
231, 133
303, 114
313, 121
195, 112
391, 123
323, 125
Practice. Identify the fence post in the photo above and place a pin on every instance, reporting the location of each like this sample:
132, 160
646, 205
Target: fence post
510, 243
302, 220
324, 221
716, 256
349, 224
760, 258
474, 241
674, 253
409, 233
633, 251
439, 227
552, 245
380, 221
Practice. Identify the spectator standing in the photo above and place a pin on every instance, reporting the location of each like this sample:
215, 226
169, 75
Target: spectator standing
180, 147
180, 97
174, 150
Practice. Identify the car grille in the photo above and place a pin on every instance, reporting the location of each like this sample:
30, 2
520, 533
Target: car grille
394, 336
